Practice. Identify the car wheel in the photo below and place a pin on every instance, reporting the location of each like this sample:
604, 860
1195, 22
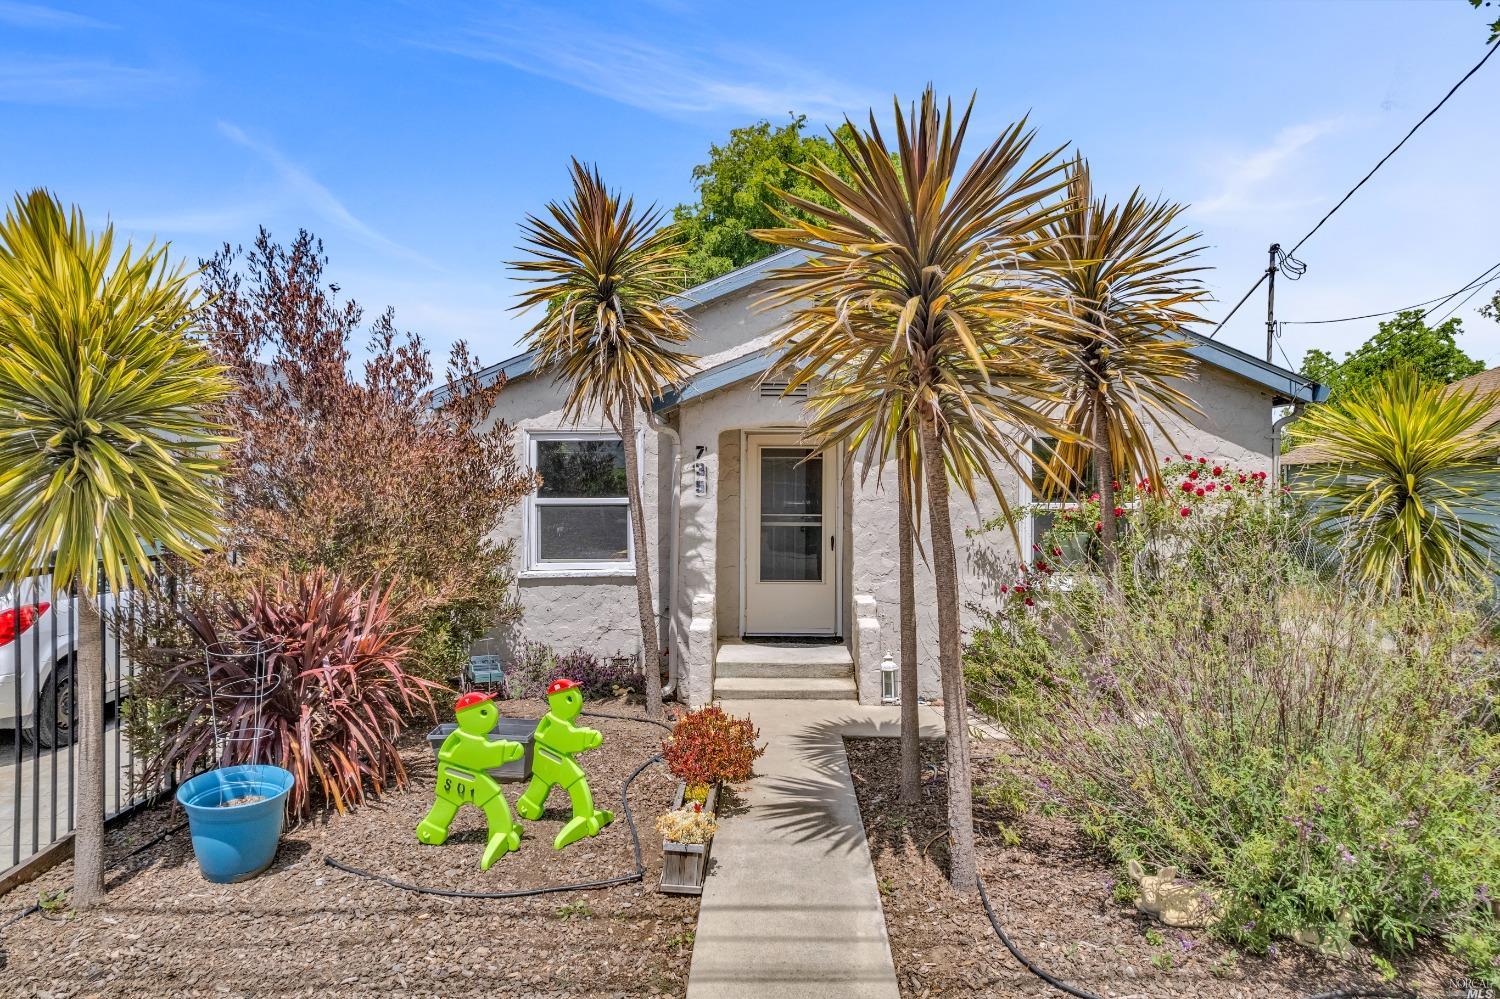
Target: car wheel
52, 727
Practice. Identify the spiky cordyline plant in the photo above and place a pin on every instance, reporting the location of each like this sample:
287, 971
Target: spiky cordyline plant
909, 309
1405, 496
1126, 274
604, 273
104, 445
337, 695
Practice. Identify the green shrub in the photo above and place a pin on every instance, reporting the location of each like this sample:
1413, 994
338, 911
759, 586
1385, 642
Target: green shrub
1323, 756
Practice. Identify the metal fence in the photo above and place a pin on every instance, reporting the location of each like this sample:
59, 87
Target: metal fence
47, 637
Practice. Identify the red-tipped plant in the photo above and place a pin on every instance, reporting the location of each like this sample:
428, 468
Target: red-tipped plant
336, 690
708, 746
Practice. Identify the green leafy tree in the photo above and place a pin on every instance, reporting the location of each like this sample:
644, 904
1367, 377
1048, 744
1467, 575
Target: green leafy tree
105, 449
1495, 24
1403, 340
1407, 494
602, 273
906, 320
738, 192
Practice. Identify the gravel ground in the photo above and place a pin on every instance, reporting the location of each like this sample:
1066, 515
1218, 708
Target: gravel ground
1052, 893
303, 928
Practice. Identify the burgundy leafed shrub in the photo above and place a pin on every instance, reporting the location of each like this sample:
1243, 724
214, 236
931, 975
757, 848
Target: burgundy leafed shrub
708, 746
340, 692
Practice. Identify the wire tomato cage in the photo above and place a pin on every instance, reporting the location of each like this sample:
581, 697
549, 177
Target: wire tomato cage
245, 680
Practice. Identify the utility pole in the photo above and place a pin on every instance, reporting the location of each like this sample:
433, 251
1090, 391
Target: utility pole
1271, 300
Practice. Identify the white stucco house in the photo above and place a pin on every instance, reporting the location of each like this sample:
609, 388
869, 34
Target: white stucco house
750, 539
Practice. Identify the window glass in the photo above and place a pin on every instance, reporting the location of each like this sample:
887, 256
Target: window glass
588, 533
791, 515
581, 469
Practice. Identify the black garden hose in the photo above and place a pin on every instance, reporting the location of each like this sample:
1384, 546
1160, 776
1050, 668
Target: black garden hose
624, 879
1073, 990
638, 874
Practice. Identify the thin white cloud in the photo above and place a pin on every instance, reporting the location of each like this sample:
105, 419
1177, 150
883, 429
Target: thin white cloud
35, 15
1244, 184
212, 222
316, 196
662, 79
33, 80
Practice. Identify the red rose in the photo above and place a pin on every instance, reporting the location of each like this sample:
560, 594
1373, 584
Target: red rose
1098, 528
1185, 511
1228, 487
1004, 589
1019, 588
1193, 474
1187, 487
1094, 497
1203, 461
1198, 492
1209, 487
1242, 479
1187, 457
1029, 603
1119, 511
1041, 566
1218, 470
1056, 550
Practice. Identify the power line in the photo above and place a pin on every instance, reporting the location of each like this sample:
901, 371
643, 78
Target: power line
1484, 278
1461, 304
1398, 145
1422, 121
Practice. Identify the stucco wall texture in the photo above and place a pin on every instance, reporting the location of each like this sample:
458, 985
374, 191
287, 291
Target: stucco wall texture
598, 613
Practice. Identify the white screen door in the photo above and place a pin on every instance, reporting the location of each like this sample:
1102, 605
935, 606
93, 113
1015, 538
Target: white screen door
791, 538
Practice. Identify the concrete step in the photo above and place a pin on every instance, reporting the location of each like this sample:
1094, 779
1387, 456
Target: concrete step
771, 660
818, 688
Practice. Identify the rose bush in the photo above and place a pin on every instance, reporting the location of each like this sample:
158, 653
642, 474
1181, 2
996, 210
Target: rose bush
1227, 702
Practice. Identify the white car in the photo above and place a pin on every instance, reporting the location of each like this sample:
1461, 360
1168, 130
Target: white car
39, 643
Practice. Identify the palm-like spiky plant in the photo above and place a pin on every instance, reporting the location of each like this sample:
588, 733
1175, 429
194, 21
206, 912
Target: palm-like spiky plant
104, 446
908, 313
1126, 273
1407, 491
604, 273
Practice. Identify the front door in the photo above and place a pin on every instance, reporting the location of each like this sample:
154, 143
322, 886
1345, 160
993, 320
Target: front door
790, 538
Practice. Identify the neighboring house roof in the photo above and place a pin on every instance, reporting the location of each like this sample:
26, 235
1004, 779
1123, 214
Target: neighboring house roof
753, 358
1482, 384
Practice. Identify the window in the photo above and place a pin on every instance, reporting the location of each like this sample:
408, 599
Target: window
579, 519
1049, 500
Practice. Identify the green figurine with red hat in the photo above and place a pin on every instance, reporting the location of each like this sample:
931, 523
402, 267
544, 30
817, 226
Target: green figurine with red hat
557, 739
464, 760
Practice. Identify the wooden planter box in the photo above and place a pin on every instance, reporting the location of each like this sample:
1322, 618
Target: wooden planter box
685, 865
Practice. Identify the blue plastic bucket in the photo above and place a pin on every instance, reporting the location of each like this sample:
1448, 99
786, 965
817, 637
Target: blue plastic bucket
235, 842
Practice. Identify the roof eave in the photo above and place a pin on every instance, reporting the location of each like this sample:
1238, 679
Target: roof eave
695, 297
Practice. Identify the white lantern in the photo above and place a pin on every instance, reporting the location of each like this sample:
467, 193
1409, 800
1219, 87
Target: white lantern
890, 692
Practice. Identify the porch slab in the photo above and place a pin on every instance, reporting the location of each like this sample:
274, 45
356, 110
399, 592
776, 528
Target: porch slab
738, 651
791, 907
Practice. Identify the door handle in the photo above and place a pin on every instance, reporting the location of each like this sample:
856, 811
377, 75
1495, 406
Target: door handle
832, 543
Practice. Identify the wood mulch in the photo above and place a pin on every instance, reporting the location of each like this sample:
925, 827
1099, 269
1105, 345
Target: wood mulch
1053, 895
306, 929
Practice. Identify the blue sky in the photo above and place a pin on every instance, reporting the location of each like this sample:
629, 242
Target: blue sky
414, 136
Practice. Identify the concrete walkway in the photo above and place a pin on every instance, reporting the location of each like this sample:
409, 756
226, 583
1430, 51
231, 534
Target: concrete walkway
791, 908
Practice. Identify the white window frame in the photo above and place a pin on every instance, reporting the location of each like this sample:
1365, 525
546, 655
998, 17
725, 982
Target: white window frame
1031, 498
530, 531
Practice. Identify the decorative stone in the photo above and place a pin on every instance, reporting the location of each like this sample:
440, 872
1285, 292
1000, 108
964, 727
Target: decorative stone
1185, 906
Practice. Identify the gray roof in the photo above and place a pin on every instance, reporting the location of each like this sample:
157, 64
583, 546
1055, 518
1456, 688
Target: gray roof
1286, 386
695, 297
